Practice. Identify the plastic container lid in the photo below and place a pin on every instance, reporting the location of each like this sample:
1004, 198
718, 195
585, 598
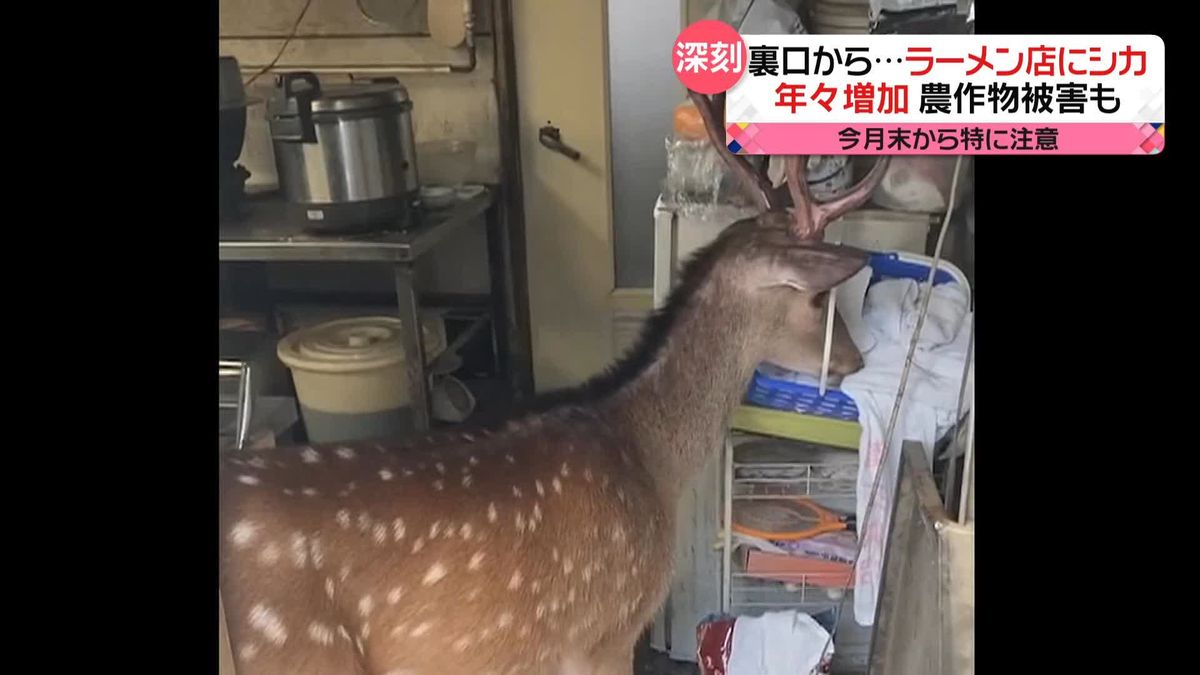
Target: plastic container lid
343, 98
689, 125
347, 97
345, 345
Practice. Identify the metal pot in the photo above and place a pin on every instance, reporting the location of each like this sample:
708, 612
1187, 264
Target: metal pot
231, 130
231, 136
345, 154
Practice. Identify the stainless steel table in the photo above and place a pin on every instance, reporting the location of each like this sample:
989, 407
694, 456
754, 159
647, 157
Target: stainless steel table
266, 234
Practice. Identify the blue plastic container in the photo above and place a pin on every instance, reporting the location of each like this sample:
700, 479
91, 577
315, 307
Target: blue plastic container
767, 391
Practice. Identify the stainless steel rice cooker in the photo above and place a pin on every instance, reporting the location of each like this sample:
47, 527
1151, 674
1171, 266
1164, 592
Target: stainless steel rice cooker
345, 153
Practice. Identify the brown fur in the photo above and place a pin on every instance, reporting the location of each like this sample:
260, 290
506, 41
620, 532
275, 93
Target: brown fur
542, 547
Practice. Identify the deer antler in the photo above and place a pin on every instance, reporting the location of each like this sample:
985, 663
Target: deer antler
712, 111
810, 217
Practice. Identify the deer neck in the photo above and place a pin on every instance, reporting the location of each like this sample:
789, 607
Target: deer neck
677, 410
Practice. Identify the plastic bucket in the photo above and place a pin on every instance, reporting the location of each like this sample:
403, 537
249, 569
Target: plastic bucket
350, 376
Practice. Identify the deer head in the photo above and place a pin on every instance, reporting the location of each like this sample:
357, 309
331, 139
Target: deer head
786, 282
791, 207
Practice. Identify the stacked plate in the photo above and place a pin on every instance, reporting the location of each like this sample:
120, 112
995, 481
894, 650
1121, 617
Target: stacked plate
841, 17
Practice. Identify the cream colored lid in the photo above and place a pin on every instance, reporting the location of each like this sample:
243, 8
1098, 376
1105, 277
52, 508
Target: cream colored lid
345, 345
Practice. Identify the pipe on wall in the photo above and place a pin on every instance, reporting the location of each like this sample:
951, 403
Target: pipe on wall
468, 67
511, 207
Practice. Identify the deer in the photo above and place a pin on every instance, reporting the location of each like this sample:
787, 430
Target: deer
542, 545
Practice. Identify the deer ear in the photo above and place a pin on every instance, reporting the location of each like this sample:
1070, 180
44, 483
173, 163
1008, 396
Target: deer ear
817, 267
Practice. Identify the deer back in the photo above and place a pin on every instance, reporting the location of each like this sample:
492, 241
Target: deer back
506, 552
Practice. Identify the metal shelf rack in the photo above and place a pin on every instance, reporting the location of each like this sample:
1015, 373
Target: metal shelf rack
756, 468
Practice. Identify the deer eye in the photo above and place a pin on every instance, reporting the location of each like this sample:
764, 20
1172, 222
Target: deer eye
820, 299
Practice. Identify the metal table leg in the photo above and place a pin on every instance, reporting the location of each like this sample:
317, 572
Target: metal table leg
414, 346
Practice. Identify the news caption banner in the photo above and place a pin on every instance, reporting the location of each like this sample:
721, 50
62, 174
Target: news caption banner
930, 94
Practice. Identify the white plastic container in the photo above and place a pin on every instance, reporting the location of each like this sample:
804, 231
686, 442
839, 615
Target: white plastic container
350, 376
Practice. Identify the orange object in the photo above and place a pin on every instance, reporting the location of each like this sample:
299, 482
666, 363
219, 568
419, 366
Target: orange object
785, 519
689, 126
796, 570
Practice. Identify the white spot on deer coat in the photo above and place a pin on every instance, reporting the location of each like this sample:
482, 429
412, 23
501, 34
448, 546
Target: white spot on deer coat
316, 552
514, 582
343, 518
398, 529
476, 561
491, 512
270, 554
436, 573
243, 533
320, 633
310, 456
266, 621
421, 628
386, 474
247, 479
345, 453
299, 550
395, 594
365, 604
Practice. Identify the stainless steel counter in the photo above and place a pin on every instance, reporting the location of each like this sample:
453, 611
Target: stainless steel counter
268, 235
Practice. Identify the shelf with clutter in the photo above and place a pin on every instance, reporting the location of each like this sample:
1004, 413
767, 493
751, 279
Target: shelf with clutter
899, 226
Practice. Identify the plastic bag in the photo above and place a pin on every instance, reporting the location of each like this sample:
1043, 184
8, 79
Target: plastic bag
919, 184
759, 17
696, 175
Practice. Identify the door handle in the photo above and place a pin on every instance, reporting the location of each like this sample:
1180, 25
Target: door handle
551, 137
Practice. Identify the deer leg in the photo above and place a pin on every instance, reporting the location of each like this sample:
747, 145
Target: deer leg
292, 632
600, 662
614, 662
283, 620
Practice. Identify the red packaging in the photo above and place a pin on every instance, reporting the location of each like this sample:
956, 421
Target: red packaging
714, 640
